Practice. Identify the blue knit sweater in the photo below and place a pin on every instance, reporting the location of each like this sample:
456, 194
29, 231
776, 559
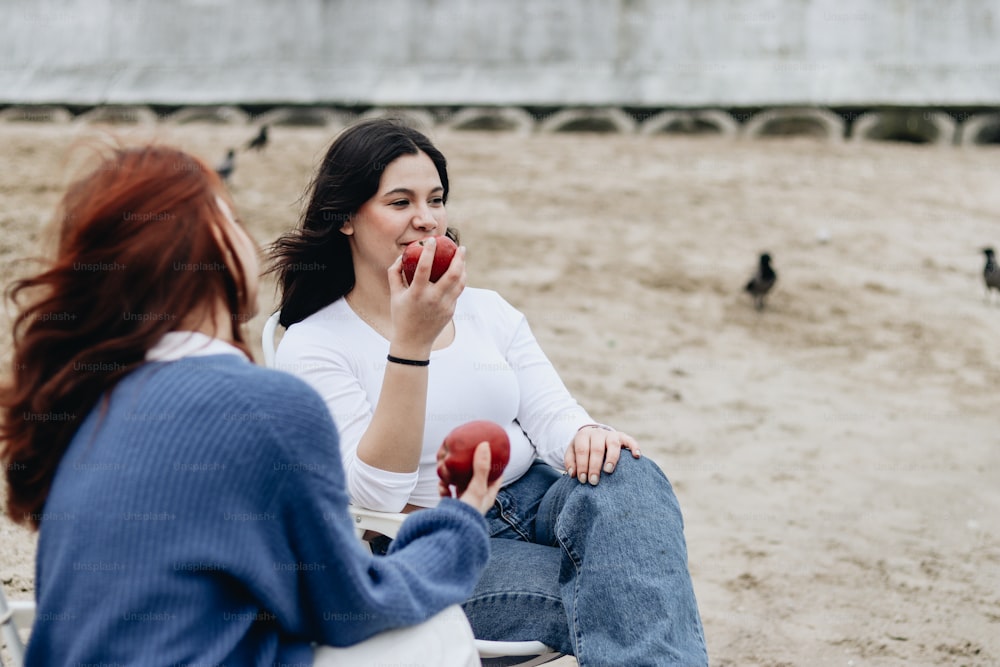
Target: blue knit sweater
202, 520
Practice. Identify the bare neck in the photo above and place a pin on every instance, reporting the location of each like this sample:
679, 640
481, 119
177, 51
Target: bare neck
372, 300
214, 321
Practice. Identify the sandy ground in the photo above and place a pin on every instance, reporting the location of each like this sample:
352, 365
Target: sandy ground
837, 456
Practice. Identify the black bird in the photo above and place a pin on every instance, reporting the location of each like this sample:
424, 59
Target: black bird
991, 272
762, 282
260, 141
227, 166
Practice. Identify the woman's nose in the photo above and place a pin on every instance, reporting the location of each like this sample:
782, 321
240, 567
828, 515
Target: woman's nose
425, 221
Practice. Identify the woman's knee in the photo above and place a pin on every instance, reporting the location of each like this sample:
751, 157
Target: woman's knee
636, 477
643, 466
634, 484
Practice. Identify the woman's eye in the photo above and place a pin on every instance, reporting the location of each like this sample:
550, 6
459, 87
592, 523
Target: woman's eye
400, 203
437, 201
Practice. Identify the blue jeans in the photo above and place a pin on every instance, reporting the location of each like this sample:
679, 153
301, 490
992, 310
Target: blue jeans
599, 572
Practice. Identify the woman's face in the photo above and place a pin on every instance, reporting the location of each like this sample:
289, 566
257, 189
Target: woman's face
408, 206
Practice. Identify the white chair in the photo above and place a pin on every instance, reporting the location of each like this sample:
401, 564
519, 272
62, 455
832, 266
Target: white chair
388, 523
17, 616
14, 617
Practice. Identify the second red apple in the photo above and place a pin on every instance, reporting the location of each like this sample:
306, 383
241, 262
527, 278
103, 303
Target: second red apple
459, 446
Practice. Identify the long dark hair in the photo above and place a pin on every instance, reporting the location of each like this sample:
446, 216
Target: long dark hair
137, 254
313, 262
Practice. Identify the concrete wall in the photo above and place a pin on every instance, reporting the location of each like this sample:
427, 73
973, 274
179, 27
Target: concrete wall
675, 53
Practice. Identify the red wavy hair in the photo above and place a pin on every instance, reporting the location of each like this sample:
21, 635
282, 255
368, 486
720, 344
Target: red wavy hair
138, 254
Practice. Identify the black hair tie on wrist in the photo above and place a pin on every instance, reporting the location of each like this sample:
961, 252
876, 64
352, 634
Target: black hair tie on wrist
408, 362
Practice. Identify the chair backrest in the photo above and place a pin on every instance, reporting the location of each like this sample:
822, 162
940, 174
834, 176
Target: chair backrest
13, 617
267, 339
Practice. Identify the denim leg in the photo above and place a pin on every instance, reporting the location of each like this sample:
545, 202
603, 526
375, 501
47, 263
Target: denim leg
518, 597
513, 514
624, 578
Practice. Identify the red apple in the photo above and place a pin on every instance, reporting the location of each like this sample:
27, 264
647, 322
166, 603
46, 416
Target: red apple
443, 254
457, 451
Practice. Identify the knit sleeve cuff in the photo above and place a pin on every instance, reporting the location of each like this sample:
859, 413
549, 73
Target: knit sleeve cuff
454, 515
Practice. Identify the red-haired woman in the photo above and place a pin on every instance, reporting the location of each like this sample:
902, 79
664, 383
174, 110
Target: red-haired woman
191, 505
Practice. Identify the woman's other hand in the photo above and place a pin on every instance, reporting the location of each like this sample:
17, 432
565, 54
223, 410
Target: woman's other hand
596, 449
479, 493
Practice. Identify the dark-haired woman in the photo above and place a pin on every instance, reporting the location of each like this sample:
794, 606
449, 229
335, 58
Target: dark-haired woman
592, 562
191, 505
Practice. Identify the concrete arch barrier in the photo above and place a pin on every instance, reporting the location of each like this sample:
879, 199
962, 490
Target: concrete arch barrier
215, 115
493, 119
918, 126
35, 114
980, 130
420, 119
606, 120
697, 122
119, 115
811, 122
302, 117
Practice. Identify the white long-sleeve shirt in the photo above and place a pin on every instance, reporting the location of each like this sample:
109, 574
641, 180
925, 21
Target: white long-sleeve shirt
494, 369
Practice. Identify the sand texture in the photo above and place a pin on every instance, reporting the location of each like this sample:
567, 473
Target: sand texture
837, 455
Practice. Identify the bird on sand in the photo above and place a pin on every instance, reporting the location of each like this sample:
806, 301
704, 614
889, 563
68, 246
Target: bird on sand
991, 272
227, 166
260, 141
762, 281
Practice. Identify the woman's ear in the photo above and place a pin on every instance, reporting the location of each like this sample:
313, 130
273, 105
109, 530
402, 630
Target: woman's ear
347, 229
